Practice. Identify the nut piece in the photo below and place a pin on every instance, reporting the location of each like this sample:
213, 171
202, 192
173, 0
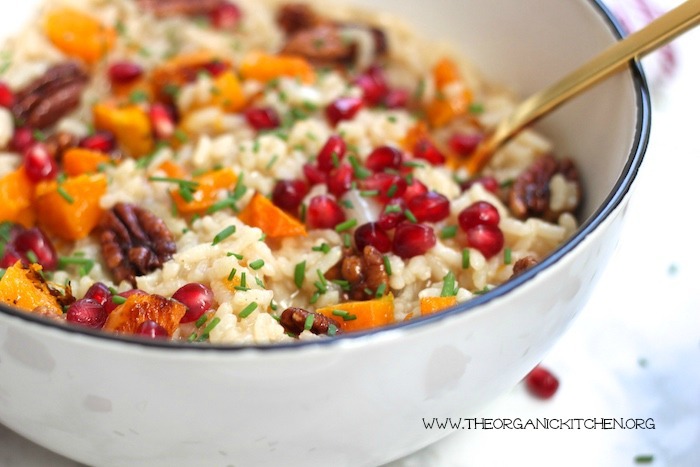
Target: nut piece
530, 194
134, 242
294, 17
45, 100
365, 273
321, 44
293, 320
59, 142
162, 8
522, 265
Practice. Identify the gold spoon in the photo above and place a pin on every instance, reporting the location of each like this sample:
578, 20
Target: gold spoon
614, 58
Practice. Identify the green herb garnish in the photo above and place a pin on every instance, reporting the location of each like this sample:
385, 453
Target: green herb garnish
227, 232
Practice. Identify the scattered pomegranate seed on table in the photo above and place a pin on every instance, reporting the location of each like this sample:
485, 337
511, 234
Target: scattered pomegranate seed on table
541, 382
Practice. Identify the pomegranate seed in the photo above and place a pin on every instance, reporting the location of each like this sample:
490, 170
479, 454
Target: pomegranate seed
331, 153
36, 241
22, 138
197, 297
489, 183
124, 72
215, 67
86, 312
151, 329
262, 118
343, 108
102, 141
162, 121
479, 213
10, 257
414, 189
373, 234
541, 382
7, 97
225, 15
488, 239
393, 214
426, 150
324, 213
373, 85
313, 174
384, 157
288, 194
387, 185
38, 163
413, 239
340, 180
99, 293
111, 304
464, 143
397, 99
429, 207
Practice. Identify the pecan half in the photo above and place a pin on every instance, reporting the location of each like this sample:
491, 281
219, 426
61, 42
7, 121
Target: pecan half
293, 17
162, 8
365, 273
530, 194
293, 320
523, 264
321, 44
59, 142
134, 242
51, 96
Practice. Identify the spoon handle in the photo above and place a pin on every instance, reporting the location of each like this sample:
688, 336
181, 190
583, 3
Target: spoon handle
654, 35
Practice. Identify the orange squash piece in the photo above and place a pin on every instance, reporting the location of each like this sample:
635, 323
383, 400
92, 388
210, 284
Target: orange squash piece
361, 315
207, 192
16, 197
173, 73
227, 92
265, 67
172, 169
130, 125
78, 161
75, 218
443, 109
138, 308
273, 221
24, 288
430, 305
78, 34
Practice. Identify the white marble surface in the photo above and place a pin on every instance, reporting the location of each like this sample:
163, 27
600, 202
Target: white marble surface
635, 349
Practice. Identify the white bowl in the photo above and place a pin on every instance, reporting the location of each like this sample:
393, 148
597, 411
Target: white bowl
355, 400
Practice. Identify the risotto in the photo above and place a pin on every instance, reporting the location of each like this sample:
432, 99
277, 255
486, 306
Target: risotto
257, 172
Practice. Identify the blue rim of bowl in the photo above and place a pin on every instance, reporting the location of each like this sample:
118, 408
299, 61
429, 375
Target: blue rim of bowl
613, 200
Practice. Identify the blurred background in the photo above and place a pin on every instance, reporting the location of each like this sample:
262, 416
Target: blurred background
634, 351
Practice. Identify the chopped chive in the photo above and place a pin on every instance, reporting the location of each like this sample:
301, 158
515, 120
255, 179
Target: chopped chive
361, 172
368, 291
240, 189
482, 291
506, 183
273, 307
235, 255
644, 459
507, 256
38, 135
186, 193
302, 213
410, 216
192, 337
392, 208
347, 225
222, 204
227, 232
139, 95
309, 322
344, 314
476, 108
232, 274
380, 290
212, 324
314, 298
413, 163
449, 285
189, 183
321, 278
113, 291
85, 265
465, 258
449, 231
335, 160
299, 273
202, 319
323, 247
369, 193
391, 191
31, 256
257, 264
243, 280
387, 265
347, 240
118, 299
332, 329
259, 282
245, 312
64, 194
181, 135
240, 288
347, 203
272, 161
345, 285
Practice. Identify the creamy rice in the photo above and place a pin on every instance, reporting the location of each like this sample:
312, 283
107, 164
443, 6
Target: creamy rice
220, 138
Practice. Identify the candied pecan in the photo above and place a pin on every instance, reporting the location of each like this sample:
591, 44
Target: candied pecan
530, 194
59, 142
162, 8
51, 96
321, 44
293, 17
521, 265
365, 273
293, 320
134, 242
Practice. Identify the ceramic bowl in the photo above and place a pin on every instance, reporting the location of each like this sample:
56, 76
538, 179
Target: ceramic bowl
357, 400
